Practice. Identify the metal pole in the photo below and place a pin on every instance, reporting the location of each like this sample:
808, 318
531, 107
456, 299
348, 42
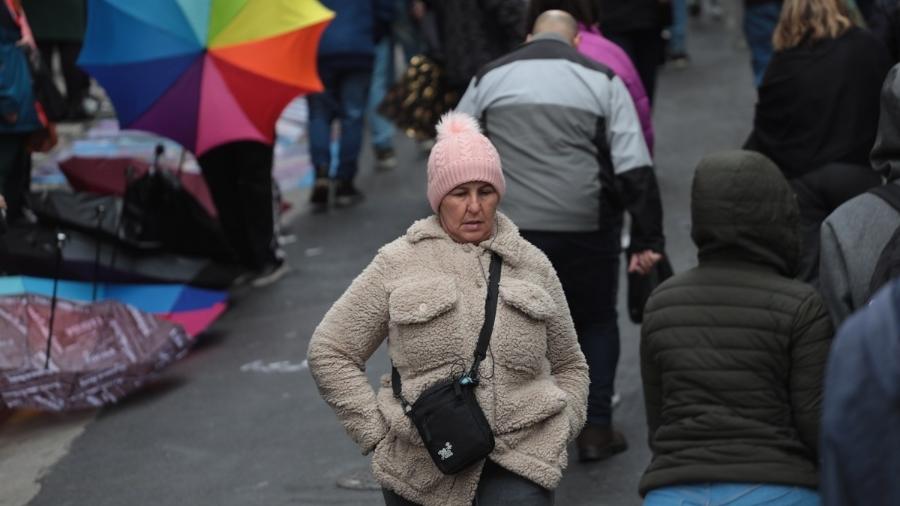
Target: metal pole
100, 210
181, 163
129, 177
157, 154
60, 239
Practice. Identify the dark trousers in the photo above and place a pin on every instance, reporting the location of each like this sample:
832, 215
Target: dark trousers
819, 192
496, 487
344, 98
239, 176
77, 81
15, 172
587, 264
646, 50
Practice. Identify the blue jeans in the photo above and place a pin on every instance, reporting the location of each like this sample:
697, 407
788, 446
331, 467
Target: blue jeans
759, 25
587, 264
732, 494
344, 99
678, 30
380, 128
403, 32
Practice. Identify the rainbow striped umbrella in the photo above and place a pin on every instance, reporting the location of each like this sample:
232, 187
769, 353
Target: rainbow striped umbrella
195, 309
204, 72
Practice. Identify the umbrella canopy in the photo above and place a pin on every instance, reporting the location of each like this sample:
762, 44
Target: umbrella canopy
99, 352
204, 72
109, 176
31, 251
193, 308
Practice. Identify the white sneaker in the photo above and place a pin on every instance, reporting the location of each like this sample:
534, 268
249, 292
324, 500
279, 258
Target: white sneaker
271, 274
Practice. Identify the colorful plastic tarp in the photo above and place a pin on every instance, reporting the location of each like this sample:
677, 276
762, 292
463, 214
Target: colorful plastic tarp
193, 308
204, 72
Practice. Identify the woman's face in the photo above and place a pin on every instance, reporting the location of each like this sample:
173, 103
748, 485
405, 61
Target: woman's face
467, 212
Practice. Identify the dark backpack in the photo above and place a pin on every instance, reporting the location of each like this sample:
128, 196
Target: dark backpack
888, 265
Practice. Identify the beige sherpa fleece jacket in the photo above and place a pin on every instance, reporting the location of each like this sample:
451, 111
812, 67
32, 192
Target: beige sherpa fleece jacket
426, 293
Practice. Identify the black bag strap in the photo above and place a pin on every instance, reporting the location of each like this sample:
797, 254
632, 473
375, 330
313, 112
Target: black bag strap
490, 312
889, 193
484, 338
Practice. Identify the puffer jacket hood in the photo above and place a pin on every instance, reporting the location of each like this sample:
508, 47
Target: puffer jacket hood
885, 155
743, 209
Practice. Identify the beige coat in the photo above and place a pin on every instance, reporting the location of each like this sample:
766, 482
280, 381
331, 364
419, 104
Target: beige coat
426, 293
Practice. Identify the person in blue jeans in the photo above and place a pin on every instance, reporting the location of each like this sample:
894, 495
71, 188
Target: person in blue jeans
345, 59
400, 31
760, 19
677, 50
733, 351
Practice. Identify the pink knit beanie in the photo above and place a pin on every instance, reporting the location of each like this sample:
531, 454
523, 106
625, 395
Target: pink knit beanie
461, 154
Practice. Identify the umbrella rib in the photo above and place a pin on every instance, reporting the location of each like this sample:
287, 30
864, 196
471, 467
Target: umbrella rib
226, 26
162, 28
201, 41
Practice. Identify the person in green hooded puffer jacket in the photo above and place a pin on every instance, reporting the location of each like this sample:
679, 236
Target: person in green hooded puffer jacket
733, 351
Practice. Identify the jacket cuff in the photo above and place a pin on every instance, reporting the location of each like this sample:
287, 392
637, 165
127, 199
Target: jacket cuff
368, 439
638, 191
656, 244
576, 421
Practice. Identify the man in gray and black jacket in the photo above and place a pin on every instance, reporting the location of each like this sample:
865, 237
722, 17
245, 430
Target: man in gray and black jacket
574, 157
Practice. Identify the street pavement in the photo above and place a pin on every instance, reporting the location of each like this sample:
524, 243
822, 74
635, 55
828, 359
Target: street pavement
239, 421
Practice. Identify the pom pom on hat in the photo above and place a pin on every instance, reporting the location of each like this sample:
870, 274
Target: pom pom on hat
455, 123
462, 154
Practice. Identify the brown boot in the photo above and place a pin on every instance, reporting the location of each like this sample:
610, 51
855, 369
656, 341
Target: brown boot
597, 442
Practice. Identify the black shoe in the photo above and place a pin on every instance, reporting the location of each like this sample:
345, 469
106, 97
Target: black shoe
597, 443
385, 159
319, 195
321, 188
347, 195
695, 8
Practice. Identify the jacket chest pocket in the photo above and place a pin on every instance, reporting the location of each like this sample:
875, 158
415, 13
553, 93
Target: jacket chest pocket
520, 333
424, 322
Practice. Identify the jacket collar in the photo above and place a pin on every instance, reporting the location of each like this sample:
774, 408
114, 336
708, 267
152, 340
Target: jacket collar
506, 241
550, 36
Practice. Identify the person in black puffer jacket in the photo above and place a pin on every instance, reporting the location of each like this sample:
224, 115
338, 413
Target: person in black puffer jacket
733, 351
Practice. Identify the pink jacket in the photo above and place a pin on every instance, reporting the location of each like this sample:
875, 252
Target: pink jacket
597, 47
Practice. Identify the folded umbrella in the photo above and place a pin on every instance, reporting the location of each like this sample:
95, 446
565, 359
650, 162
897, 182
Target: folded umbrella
109, 176
98, 352
106, 159
206, 72
193, 308
31, 250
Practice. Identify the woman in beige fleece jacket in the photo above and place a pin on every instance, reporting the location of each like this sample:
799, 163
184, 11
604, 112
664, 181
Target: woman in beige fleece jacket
425, 292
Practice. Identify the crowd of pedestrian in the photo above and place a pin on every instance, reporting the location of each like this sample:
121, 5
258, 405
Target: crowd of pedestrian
770, 370
750, 398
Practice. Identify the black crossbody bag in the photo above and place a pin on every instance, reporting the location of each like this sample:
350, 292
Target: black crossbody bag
447, 415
